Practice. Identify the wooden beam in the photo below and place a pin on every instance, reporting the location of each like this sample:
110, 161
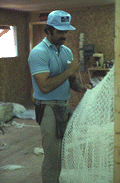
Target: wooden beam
117, 95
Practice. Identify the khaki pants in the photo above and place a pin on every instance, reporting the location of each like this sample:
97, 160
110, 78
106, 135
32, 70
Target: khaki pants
51, 166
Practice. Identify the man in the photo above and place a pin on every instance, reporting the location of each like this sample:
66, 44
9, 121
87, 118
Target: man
53, 72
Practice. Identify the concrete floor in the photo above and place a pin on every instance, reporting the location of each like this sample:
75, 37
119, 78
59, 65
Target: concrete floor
21, 143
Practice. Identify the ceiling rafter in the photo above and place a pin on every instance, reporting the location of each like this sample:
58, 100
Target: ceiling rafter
42, 5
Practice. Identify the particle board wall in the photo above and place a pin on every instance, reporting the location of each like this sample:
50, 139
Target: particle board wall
15, 76
98, 25
97, 22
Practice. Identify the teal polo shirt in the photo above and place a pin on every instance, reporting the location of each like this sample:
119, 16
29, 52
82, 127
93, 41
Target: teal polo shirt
45, 58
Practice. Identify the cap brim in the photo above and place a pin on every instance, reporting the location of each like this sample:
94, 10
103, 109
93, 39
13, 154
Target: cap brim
65, 27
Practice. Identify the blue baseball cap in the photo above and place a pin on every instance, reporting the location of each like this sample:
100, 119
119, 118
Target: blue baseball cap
60, 20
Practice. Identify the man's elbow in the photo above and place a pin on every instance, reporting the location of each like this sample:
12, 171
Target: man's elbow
44, 90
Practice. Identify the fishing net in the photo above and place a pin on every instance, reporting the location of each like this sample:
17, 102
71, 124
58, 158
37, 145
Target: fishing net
88, 143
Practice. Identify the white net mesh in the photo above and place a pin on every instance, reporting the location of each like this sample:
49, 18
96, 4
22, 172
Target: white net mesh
87, 151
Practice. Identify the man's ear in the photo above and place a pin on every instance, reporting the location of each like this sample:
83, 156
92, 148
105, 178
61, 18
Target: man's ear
50, 32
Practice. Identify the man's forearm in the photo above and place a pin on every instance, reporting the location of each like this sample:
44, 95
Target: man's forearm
47, 83
54, 82
51, 83
75, 84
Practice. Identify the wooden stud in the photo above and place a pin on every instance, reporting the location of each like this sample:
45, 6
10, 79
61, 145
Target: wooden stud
117, 95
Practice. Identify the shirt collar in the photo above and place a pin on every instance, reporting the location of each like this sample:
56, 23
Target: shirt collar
48, 43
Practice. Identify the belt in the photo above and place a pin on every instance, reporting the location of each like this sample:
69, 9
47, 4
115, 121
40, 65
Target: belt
50, 101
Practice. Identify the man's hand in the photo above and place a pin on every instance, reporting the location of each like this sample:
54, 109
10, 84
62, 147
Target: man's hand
86, 86
74, 66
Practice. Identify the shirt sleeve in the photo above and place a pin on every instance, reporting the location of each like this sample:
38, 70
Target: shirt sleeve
69, 53
38, 61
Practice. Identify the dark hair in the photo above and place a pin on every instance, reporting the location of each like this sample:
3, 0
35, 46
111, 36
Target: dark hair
48, 28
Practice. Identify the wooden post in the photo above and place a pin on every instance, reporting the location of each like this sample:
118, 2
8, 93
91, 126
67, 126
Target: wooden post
30, 36
117, 95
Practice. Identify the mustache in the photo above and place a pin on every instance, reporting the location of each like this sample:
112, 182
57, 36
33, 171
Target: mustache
62, 39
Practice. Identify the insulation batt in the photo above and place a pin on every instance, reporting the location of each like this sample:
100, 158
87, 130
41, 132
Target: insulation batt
88, 143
